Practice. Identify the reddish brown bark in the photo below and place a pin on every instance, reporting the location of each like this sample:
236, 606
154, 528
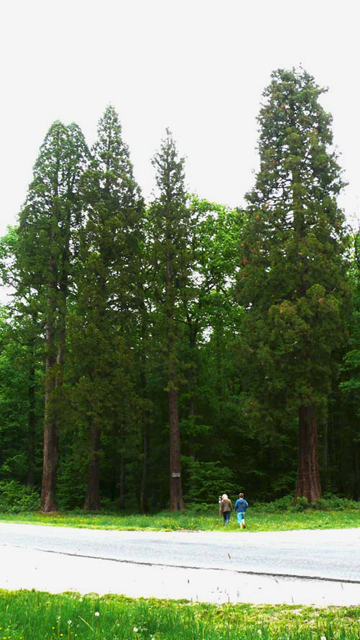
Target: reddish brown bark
176, 496
50, 455
308, 483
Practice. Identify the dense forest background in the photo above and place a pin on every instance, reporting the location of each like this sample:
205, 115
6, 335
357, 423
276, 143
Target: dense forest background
157, 354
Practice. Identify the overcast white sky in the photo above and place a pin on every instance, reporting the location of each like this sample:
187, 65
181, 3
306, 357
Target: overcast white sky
196, 66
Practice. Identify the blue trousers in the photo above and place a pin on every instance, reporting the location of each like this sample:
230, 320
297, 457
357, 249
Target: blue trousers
226, 515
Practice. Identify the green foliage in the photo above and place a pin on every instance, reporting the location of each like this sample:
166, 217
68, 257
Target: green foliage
242, 315
71, 482
301, 504
292, 279
20, 396
17, 498
207, 480
329, 502
277, 506
52, 210
336, 503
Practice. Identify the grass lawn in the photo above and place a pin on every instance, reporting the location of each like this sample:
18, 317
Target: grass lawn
31, 615
258, 519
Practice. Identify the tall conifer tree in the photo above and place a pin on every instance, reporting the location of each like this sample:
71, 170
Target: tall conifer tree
292, 281
108, 269
44, 252
169, 230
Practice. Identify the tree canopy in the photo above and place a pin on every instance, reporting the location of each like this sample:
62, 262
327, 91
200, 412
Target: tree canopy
157, 354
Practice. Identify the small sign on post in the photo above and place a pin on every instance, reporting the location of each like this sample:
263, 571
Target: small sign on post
175, 474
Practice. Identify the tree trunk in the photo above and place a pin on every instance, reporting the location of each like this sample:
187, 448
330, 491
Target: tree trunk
176, 497
62, 301
308, 483
92, 499
50, 462
54, 374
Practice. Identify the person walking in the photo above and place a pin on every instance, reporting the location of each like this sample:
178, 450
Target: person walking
240, 507
225, 508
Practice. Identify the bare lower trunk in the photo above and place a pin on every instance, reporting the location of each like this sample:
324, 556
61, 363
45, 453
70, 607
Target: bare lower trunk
50, 461
308, 484
176, 497
54, 381
92, 499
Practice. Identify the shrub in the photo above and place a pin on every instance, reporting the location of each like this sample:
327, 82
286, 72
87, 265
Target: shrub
328, 503
336, 503
17, 498
277, 506
207, 480
199, 508
301, 504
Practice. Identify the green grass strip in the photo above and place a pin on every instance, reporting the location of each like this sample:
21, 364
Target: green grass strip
257, 520
31, 615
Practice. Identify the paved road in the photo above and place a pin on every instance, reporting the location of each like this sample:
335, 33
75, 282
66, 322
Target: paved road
331, 554
312, 559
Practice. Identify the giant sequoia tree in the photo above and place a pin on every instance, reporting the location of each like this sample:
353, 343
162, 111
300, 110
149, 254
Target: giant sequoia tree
107, 269
44, 251
169, 231
292, 277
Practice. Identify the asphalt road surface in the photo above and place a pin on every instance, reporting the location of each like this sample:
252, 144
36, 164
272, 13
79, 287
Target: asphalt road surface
303, 567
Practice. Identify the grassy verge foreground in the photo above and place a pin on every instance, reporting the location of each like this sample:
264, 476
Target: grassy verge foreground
30, 615
257, 520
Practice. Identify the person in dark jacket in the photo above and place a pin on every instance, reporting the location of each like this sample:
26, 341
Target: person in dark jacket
225, 508
240, 507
